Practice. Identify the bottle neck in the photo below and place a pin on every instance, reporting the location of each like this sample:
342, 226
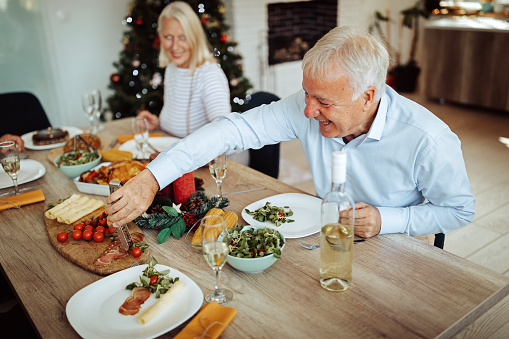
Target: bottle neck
338, 186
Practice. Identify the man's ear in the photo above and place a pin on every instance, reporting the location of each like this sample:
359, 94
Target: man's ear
368, 96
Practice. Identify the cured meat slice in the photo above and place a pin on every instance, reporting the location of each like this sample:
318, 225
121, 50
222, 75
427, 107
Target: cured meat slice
133, 303
114, 251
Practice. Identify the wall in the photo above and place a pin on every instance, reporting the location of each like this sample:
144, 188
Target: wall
58, 49
248, 22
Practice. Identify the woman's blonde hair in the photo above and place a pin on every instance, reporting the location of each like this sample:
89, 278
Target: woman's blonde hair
362, 57
193, 30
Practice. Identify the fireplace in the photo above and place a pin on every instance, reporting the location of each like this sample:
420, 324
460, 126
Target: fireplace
294, 27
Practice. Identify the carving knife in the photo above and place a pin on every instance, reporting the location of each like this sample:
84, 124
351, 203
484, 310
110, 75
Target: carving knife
122, 233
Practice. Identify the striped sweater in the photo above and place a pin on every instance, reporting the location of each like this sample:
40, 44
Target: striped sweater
207, 100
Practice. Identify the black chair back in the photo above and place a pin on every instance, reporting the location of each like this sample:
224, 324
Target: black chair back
265, 159
20, 113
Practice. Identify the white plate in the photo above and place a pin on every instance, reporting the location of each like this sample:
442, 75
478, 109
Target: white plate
160, 143
306, 213
29, 170
96, 189
93, 310
27, 138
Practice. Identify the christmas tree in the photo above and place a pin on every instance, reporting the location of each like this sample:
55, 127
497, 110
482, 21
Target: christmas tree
138, 82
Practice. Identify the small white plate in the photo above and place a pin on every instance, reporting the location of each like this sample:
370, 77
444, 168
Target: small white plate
306, 213
160, 143
93, 310
97, 189
27, 138
29, 170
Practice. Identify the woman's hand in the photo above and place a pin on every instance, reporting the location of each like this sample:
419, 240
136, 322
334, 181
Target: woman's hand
152, 119
19, 142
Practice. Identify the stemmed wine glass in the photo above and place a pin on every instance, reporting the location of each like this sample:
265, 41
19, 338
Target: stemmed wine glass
9, 157
214, 238
96, 94
88, 103
217, 168
140, 133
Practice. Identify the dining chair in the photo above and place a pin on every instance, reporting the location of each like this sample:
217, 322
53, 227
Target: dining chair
439, 240
20, 113
265, 159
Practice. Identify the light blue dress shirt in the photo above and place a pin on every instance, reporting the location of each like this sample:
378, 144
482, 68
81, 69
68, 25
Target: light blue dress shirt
409, 164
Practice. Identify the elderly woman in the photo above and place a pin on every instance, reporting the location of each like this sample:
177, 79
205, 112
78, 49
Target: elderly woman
195, 87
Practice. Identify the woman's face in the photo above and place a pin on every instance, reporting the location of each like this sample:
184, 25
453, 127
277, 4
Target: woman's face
175, 43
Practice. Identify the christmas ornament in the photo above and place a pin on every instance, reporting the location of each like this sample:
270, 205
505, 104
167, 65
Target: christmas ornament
224, 37
157, 80
234, 82
115, 78
157, 43
136, 63
139, 22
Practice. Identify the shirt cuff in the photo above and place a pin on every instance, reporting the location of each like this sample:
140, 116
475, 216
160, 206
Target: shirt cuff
394, 220
165, 172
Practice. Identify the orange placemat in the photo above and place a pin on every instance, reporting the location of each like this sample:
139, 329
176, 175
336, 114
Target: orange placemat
16, 201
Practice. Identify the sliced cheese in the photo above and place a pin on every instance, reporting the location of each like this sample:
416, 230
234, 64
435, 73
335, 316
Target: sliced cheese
89, 207
53, 212
74, 207
164, 301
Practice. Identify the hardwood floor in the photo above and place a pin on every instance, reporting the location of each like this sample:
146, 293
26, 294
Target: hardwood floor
486, 240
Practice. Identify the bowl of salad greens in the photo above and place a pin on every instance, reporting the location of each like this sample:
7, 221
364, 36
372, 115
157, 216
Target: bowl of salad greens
73, 164
254, 248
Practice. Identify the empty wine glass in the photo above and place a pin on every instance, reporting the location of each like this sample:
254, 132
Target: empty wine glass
9, 157
214, 238
217, 168
140, 133
96, 94
87, 102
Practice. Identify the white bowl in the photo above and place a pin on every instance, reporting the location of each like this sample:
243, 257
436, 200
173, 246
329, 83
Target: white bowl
73, 171
254, 265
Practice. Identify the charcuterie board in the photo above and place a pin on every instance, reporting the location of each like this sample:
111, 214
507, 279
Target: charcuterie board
83, 253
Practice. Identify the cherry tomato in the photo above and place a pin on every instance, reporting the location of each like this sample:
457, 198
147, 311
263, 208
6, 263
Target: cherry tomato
102, 222
76, 234
153, 278
89, 228
87, 235
62, 237
111, 230
136, 252
100, 229
79, 226
93, 222
98, 236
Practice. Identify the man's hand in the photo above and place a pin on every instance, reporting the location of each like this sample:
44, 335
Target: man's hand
132, 199
367, 220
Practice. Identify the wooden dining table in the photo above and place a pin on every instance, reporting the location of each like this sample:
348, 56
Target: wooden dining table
402, 287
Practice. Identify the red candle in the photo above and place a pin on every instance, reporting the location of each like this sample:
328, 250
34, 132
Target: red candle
183, 187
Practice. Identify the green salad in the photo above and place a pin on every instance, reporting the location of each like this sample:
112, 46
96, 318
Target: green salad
76, 158
254, 243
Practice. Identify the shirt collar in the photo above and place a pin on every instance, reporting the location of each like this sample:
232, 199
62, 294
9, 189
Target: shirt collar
377, 127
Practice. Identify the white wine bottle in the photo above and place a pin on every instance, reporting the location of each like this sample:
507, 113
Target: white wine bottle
336, 238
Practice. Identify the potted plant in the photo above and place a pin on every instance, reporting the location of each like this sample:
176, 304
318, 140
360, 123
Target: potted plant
405, 76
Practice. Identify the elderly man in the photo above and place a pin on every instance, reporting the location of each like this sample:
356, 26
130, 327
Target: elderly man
406, 170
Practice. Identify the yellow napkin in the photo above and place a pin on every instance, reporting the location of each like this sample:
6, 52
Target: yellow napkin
21, 200
210, 322
124, 138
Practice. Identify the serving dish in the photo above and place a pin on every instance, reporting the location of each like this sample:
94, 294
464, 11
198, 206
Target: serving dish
306, 214
72, 171
93, 310
96, 189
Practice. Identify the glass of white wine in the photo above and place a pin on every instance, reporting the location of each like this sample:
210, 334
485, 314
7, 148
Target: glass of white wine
96, 94
140, 133
9, 157
214, 238
217, 168
87, 103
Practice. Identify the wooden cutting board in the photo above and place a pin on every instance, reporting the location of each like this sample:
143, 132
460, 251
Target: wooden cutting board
83, 253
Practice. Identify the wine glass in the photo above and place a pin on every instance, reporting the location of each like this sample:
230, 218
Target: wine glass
140, 133
9, 157
87, 102
214, 239
96, 94
217, 168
